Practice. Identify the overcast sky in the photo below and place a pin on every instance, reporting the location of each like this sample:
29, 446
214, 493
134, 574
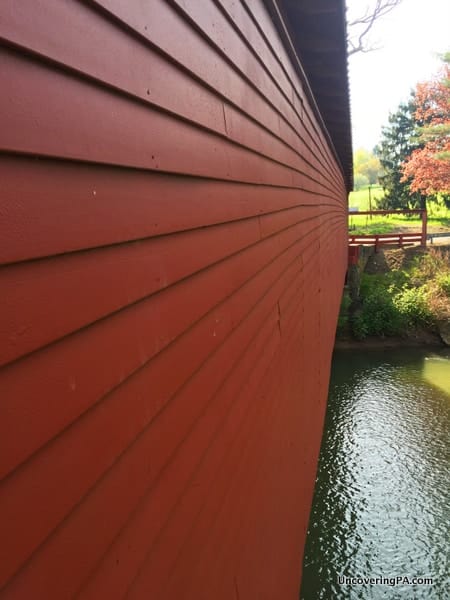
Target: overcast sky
410, 36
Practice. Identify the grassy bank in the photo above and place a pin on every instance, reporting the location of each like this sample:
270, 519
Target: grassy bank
404, 293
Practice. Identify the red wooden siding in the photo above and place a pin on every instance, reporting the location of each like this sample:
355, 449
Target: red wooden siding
172, 254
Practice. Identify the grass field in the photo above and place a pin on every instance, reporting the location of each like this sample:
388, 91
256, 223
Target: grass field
360, 199
438, 215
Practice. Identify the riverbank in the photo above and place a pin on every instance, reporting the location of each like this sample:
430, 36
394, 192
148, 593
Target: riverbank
424, 339
403, 300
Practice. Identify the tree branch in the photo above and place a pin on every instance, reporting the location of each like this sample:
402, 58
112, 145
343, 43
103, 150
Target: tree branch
363, 24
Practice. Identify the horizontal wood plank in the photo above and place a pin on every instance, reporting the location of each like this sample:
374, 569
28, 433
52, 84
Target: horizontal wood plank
40, 472
172, 252
130, 339
52, 207
82, 288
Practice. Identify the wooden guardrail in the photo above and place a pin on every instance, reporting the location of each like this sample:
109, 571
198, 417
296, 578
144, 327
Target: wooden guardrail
391, 238
385, 238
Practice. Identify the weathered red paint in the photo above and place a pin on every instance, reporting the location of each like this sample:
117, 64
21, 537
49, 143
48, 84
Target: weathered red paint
173, 247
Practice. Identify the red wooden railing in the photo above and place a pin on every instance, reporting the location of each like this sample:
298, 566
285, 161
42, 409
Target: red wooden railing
391, 238
385, 238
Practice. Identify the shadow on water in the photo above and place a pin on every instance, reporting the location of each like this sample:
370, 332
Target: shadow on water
381, 505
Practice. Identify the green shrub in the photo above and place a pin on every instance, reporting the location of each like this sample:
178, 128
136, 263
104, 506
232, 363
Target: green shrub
398, 301
443, 282
360, 329
390, 306
378, 315
412, 305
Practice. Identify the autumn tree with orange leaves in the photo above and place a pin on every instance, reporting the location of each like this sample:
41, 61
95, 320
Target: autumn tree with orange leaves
428, 167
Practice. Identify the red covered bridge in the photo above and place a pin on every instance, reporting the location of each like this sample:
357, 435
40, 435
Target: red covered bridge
173, 245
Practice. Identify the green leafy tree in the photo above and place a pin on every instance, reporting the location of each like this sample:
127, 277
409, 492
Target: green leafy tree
360, 181
397, 143
367, 165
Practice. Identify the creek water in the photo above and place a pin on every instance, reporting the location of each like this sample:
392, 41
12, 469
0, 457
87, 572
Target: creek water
381, 501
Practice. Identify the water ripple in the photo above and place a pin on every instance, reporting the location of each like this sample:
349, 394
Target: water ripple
381, 505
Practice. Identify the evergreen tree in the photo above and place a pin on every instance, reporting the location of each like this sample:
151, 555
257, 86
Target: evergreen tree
397, 143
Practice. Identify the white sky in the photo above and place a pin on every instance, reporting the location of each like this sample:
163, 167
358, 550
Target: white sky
410, 36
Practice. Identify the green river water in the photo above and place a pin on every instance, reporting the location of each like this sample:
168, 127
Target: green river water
381, 502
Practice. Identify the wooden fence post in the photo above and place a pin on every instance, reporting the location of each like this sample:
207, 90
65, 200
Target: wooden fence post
424, 229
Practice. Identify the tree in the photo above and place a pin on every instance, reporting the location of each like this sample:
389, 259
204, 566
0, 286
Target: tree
428, 167
366, 164
397, 143
360, 181
360, 25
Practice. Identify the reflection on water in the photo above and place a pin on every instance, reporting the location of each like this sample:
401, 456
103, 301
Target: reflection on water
381, 504
436, 371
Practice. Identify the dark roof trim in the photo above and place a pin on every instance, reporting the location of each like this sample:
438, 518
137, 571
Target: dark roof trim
314, 34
